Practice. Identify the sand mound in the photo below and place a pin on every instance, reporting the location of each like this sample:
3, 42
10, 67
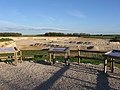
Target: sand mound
8, 44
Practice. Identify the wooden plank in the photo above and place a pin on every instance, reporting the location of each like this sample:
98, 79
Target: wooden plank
27, 56
117, 62
82, 56
92, 51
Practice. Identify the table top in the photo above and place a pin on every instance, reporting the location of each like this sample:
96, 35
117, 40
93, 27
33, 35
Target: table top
59, 49
113, 53
8, 49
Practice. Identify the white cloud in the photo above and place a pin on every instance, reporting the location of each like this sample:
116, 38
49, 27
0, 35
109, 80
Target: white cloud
77, 13
7, 26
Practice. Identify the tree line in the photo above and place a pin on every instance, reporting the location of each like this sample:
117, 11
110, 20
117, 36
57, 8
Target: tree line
63, 34
10, 34
85, 35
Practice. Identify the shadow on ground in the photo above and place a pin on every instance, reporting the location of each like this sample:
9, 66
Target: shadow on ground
102, 82
47, 84
42, 62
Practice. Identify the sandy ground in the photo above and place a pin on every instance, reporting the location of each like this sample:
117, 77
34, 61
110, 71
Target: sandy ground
24, 43
40, 76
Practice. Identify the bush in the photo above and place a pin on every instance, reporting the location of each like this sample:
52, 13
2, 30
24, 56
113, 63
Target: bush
5, 39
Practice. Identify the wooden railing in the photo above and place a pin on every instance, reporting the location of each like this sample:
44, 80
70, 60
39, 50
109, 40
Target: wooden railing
88, 56
85, 54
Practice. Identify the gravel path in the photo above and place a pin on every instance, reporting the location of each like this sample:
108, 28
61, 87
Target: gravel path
37, 76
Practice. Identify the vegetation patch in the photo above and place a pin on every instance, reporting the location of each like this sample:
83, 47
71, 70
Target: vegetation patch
5, 39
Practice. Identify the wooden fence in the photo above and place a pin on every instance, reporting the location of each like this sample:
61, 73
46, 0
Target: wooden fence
87, 55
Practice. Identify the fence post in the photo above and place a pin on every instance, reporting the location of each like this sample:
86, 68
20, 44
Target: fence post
66, 59
53, 58
15, 58
112, 65
20, 56
78, 56
50, 58
105, 65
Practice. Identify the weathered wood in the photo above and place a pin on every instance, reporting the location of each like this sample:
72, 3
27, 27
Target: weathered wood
92, 51
112, 65
15, 58
50, 58
60, 50
114, 54
27, 56
78, 57
89, 57
20, 56
4, 57
53, 58
12, 50
105, 66
117, 62
66, 59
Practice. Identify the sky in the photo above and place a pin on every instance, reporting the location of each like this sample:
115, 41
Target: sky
66, 16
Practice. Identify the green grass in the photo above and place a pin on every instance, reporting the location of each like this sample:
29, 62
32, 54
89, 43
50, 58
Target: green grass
96, 62
5, 39
6, 54
34, 52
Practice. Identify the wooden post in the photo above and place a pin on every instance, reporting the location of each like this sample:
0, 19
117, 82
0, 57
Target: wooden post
65, 58
105, 66
78, 56
68, 57
68, 53
20, 56
53, 58
112, 65
50, 58
15, 58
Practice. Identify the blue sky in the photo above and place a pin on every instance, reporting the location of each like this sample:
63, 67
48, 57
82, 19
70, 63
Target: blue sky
68, 16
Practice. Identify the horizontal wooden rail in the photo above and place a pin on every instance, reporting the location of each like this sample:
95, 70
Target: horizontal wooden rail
27, 56
92, 51
40, 55
117, 62
93, 58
